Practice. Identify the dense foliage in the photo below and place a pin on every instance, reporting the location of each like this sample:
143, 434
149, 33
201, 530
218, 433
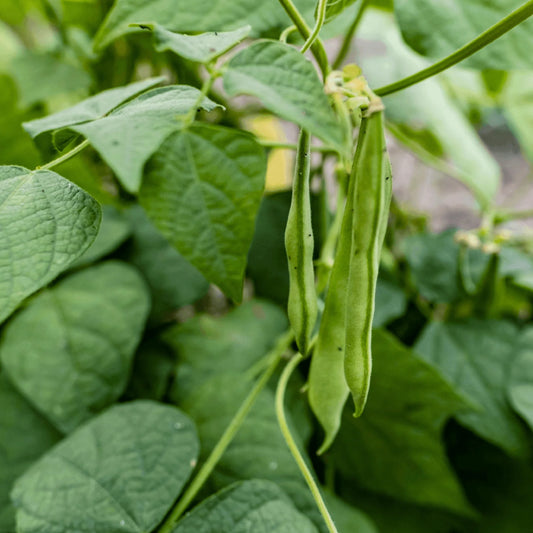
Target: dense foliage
146, 214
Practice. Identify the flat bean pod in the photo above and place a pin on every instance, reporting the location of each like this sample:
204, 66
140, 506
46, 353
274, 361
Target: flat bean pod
299, 244
372, 193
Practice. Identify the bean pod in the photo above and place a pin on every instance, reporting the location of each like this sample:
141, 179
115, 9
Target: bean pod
299, 244
372, 193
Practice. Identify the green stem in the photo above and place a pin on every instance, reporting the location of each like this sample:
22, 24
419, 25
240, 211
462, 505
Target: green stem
225, 440
347, 41
504, 216
317, 47
290, 146
488, 36
284, 426
320, 18
71, 153
188, 119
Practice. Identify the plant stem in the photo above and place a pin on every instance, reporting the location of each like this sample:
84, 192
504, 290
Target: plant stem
317, 47
320, 18
504, 216
65, 157
225, 440
290, 146
284, 426
347, 41
488, 36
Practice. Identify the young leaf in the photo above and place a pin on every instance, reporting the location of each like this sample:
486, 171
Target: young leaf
130, 134
336, 7
455, 22
47, 222
84, 331
400, 439
520, 387
202, 48
92, 108
197, 16
287, 84
120, 472
173, 281
476, 357
202, 190
255, 505
25, 436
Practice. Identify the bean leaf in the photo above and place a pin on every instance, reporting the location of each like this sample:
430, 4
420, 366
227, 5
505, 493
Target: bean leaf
287, 84
520, 388
84, 331
121, 472
202, 190
47, 222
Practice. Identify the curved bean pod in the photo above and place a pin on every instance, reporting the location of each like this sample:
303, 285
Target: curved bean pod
299, 244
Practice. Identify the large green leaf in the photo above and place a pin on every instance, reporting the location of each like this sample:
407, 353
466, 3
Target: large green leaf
254, 505
347, 517
47, 222
130, 134
202, 48
70, 350
24, 436
287, 84
424, 116
197, 16
455, 22
244, 336
395, 447
391, 302
520, 387
476, 357
173, 281
202, 190
92, 108
121, 472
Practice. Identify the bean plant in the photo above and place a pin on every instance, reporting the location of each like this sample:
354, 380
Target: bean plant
195, 338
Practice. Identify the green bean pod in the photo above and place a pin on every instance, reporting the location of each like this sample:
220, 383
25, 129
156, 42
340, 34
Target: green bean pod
372, 193
328, 389
299, 244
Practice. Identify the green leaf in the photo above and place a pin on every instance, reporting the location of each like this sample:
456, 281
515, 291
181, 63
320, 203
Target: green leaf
255, 505
258, 450
121, 472
407, 407
41, 76
173, 281
198, 16
114, 230
25, 436
455, 22
391, 302
520, 387
202, 190
244, 336
336, 7
92, 108
47, 223
476, 357
84, 331
130, 134
202, 48
424, 116
433, 265
287, 84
